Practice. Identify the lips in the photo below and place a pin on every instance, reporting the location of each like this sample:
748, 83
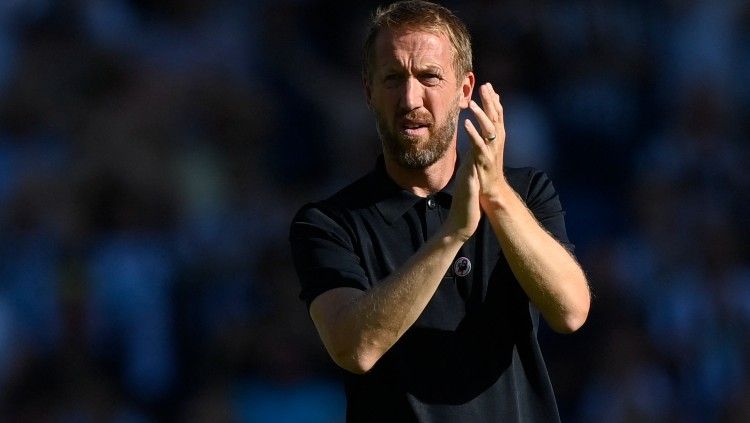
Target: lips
415, 131
415, 123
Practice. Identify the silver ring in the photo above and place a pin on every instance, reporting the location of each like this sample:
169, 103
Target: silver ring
491, 138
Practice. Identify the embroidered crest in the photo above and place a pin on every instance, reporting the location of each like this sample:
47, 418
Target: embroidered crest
462, 266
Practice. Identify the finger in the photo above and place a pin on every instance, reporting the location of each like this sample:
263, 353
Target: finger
468, 169
481, 153
500, 126
486, 125
499, 110
487, 94
492, 106
467, 173
477, 141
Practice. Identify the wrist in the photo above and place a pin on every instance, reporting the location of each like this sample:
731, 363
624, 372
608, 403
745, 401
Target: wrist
454, 236
500, 198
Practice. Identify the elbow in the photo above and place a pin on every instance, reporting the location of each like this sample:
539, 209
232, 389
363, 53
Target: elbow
355, 366
355, 360
571, 323
574, 317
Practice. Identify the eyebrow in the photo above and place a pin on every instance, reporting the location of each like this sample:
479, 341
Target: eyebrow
427, 68
430, 68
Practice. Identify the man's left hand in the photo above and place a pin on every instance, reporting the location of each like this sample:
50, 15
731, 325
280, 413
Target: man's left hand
488, 143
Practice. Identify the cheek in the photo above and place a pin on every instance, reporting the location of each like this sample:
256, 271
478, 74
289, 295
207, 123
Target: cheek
438, 105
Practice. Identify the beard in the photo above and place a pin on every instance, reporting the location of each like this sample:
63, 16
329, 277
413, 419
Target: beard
407, 150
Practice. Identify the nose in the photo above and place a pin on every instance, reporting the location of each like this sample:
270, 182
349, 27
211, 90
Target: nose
411, 97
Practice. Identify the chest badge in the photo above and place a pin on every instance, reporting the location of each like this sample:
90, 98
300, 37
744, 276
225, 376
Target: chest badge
462, 266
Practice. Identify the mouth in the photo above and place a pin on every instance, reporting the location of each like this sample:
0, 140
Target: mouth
412, 128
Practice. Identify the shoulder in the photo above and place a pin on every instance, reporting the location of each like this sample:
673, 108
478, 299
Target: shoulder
334, 209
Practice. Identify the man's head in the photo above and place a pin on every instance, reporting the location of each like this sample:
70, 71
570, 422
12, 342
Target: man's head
417, 75
418, 15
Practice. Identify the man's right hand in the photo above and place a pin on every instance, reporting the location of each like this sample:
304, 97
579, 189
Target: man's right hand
465, 213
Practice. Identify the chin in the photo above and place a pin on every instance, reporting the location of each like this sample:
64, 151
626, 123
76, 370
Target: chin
419, 158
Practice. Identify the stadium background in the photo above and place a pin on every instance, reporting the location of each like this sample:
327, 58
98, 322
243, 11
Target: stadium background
152, 154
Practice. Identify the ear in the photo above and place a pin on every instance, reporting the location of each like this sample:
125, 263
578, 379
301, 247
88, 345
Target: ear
467, 88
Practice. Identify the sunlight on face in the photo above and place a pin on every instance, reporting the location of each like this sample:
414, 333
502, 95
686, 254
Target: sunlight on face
415, 96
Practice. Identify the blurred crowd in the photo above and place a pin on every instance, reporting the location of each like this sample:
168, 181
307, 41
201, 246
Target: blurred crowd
152, 154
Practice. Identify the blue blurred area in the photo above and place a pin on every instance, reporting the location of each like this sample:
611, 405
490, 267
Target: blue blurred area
152, 154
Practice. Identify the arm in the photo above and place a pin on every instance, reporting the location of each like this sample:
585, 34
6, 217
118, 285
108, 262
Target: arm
357, 327
547, 272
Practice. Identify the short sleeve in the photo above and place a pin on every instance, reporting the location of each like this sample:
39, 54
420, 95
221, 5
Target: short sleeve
544, 203
323, 254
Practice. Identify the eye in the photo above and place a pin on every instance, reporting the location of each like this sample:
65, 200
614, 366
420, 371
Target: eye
431, 79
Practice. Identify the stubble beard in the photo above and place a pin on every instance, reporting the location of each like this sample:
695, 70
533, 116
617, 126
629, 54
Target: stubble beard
409, 152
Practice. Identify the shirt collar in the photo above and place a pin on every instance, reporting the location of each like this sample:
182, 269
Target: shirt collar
392, 201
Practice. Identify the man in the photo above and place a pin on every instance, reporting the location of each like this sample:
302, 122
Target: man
425, 278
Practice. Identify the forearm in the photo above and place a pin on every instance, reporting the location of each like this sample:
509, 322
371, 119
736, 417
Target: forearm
547, 272
550, 276
365, 327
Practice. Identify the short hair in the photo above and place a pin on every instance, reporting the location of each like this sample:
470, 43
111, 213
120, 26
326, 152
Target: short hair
419, 15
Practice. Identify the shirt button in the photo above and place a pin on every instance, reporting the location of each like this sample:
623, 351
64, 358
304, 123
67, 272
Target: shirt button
431, 203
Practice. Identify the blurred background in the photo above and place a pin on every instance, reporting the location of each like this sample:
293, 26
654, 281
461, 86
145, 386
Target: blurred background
152, 154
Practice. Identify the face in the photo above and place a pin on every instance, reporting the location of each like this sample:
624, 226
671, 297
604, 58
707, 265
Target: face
416, 96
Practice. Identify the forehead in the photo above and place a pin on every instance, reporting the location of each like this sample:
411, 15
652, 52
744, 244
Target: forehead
412, 48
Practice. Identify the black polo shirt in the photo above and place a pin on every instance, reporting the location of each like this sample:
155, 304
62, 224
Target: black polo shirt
472, 355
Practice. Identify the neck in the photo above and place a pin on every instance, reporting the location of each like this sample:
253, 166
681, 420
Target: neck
429, 180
